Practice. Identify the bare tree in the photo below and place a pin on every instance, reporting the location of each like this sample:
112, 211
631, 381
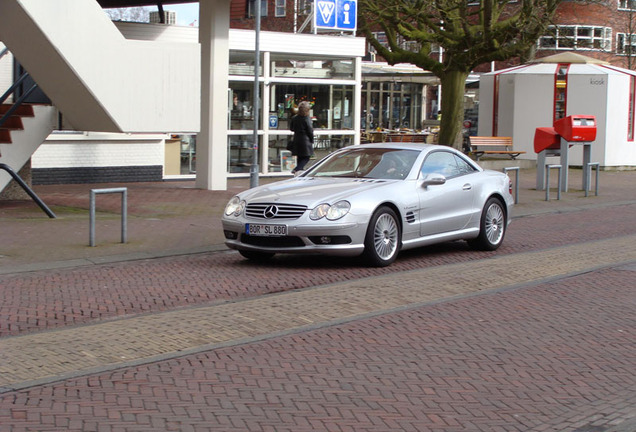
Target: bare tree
130, 14
469, 32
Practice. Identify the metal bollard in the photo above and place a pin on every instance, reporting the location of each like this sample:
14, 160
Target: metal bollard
516, 170
547, 181
124, 212
588, 168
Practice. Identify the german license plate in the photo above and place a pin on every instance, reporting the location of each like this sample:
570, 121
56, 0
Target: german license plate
266, 230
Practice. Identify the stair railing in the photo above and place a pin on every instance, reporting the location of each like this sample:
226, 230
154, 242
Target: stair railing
20, 100
28, 190
4, 118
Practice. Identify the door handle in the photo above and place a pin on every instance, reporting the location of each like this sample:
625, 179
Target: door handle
467, 186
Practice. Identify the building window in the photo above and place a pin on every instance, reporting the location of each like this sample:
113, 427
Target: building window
305, 7
577, 37
627, 4
251, 8
281, 8
381, 37
625, 44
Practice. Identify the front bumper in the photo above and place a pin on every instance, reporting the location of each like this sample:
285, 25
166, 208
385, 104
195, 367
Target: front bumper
336, 239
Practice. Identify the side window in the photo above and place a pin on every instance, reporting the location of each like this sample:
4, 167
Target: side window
463, 166
440, 162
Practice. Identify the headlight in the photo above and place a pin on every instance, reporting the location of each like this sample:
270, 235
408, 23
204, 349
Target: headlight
331, 212
235, 206
319, 212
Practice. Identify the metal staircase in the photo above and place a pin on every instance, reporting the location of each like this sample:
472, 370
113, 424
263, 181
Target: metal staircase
23, 128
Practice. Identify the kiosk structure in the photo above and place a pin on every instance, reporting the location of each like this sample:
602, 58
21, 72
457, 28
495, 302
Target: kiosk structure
516, 101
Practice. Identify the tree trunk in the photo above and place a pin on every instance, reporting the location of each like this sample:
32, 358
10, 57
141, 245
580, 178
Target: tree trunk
453, 89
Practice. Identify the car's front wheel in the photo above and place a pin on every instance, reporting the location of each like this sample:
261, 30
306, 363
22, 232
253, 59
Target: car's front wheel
256, 256
492, 227
382, 241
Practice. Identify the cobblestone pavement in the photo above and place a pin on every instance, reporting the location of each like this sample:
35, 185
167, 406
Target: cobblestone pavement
538, 336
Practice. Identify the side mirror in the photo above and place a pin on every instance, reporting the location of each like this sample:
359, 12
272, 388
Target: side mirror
434, 179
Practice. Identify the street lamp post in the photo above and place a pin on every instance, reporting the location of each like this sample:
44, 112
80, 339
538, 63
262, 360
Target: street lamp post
254, 169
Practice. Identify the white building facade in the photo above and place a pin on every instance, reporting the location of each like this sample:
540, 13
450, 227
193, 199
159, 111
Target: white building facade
136, 85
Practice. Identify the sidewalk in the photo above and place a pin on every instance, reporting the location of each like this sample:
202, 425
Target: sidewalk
506, 341
174, 218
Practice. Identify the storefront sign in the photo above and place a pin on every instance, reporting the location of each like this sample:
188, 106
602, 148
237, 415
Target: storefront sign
336, 14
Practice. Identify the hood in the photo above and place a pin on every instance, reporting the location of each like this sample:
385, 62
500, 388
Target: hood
311, 191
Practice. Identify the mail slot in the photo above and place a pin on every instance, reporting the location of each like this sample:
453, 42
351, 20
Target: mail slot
576, 128
546, 138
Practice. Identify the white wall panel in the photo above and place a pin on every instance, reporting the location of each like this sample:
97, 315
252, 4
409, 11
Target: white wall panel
102, 150
6, 70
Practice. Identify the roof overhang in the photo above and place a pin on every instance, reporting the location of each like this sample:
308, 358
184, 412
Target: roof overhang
135, 3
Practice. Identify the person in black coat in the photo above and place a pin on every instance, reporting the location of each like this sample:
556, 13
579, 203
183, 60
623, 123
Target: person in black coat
303, 141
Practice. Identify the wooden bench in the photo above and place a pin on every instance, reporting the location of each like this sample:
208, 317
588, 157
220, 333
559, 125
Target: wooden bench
481, 145
407, 137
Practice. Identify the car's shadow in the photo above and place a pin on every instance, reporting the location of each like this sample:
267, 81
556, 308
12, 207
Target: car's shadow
426, 256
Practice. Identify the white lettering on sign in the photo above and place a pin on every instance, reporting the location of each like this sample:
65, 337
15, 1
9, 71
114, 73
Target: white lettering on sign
597, 81
347, 7
326, 10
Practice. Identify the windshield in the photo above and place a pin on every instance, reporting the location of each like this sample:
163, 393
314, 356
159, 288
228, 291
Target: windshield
371, 163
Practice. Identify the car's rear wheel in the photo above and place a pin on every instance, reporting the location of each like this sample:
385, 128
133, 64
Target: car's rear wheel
256, 256
382, 241
492, 227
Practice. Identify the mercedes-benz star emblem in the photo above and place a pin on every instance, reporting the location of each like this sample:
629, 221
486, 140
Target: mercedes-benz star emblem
271, 211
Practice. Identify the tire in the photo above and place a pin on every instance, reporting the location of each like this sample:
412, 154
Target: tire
492, 226
383, 239
256, 256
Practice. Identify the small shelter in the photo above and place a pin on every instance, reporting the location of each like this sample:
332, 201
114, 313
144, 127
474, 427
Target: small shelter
516, 101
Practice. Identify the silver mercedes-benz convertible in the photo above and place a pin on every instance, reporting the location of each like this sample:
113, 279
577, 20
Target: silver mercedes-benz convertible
373, 200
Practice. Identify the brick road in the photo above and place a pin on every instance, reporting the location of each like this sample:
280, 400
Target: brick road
538, 336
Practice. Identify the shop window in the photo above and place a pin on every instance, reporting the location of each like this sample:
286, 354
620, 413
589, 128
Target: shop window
331, 69
243, 67
241, 153
241, 106
392, 106
577, 37
331, 109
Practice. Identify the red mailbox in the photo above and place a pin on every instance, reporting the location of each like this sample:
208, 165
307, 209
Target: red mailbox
546, 138
557, 140
576, 128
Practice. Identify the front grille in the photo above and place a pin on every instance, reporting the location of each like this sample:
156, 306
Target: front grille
288, 241
272, 211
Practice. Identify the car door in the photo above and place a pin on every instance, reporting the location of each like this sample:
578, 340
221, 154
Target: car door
449, 206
